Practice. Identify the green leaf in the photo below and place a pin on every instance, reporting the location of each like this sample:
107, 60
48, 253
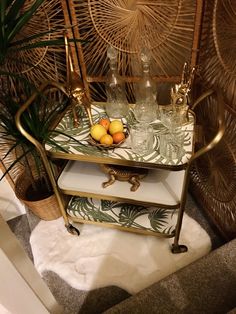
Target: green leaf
58, 147
102, 217
2, 24
15, 162
42, 43
107, 205
36, 120
13, 18
13, 12
130, 212
3, 6
68, 136
158, 218
10, 150
169, 230
23, 20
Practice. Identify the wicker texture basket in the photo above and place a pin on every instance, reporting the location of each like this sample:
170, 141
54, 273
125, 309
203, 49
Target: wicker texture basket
46, 209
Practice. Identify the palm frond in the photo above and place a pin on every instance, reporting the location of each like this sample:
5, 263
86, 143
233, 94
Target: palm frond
23, 20
13, 11
17, 160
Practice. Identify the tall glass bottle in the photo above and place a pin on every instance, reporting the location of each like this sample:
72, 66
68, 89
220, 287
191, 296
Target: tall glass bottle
117, 104
145, 92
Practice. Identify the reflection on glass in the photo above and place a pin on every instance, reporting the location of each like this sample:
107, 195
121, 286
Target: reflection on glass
145, 92
142, 138
172, 144
117, 104
172, 139
173, 116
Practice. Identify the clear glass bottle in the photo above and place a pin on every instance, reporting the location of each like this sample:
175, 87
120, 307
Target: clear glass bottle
146, 107
117, 104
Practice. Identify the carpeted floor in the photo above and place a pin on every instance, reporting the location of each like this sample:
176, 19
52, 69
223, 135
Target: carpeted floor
96, 300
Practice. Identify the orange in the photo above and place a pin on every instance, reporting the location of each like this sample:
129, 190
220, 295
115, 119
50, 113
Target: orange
118, 137
106, 139
105, 122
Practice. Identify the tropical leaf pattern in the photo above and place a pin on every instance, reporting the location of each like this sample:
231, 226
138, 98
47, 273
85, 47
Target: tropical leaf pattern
158, 218
79, 144
152, 219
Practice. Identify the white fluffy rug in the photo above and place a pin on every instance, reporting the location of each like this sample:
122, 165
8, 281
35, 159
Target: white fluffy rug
101, 257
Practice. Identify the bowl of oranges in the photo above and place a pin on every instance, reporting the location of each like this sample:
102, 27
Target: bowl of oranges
107, 134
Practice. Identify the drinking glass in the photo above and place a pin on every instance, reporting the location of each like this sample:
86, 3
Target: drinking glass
142, 138
172, 144
145, 111
173, 116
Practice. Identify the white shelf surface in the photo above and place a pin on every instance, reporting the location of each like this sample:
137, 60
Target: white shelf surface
160, 186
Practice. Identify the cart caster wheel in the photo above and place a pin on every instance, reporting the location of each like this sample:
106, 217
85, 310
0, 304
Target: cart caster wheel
71, 229
179, 248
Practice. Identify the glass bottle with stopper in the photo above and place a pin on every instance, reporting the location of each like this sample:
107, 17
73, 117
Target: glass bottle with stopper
117, 104
146, 106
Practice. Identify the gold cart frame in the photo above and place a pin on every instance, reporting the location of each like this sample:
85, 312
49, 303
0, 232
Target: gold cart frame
176, 247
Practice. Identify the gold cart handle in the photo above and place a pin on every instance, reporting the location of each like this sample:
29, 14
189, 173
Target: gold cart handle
39, 145
30, 100
221, 122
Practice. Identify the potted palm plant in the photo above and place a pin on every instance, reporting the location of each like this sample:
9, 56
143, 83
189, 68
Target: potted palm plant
33, 183
28, 30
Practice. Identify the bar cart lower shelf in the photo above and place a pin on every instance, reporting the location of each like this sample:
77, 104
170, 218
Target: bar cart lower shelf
124, 216
152, 221
160, 186
117, 206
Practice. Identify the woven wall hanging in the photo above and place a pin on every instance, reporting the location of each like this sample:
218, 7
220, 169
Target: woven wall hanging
214, 175
169, 29
41, 63
218, 48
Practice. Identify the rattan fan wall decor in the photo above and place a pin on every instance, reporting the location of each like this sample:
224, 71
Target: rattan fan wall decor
218, 49
214, 182
214, 176
168, 28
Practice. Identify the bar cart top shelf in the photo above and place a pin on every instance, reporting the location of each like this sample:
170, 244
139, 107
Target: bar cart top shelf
78, 147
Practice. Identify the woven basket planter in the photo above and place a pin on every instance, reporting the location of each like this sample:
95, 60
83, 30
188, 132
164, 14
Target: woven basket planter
45, 209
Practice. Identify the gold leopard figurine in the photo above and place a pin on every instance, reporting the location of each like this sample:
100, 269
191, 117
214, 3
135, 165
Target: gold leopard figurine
123, 173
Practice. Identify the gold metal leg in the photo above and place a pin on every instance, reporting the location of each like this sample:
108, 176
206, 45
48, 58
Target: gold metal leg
71, 229
176, 247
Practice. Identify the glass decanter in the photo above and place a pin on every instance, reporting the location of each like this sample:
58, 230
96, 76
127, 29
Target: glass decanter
117, 104
146, 106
